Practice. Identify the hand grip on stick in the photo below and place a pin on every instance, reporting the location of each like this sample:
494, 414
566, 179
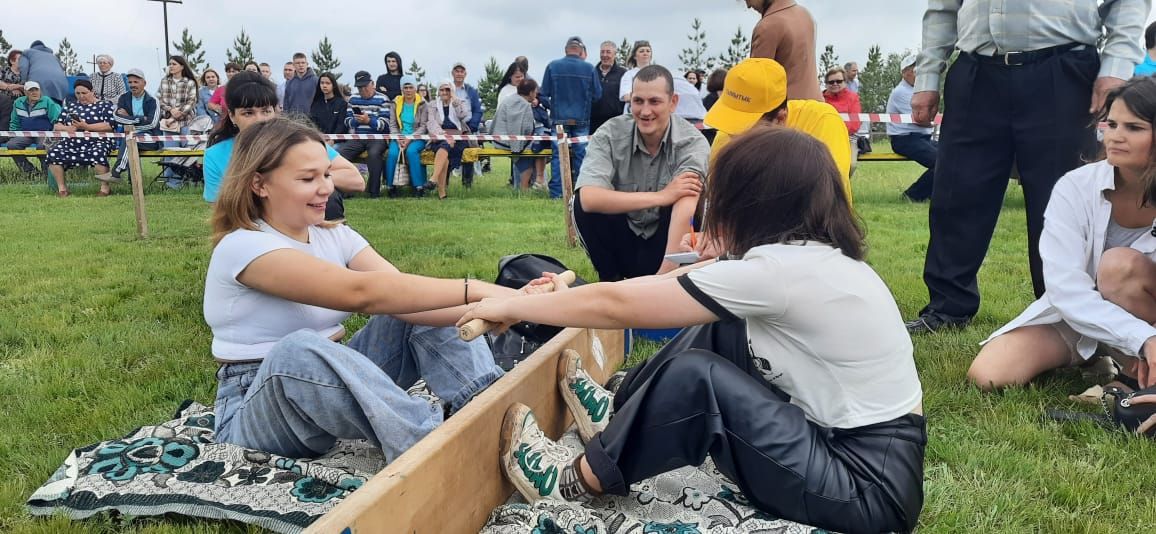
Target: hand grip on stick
476, 327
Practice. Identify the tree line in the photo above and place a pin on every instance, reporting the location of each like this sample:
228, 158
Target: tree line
877, 76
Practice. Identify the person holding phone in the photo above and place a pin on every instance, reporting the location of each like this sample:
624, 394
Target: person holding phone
85, 114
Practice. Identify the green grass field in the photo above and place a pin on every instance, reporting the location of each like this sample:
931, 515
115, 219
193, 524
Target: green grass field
101, 333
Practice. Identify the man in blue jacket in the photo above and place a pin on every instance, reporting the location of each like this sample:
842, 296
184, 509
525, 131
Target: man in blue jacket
468, 95
299, 90
39, 64
569, 88
31, 113
139, 109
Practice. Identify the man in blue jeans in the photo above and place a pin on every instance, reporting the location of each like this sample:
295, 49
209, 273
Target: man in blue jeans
911, 140
569, 88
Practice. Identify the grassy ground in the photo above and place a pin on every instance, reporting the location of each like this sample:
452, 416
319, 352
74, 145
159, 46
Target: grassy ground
101, 333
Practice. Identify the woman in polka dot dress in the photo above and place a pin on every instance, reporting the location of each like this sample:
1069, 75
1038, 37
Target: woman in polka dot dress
86, 114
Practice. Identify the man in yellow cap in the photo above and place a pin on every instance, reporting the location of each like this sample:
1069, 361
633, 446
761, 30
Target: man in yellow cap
756, 89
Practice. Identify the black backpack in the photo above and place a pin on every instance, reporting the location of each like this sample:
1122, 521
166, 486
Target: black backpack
523, 339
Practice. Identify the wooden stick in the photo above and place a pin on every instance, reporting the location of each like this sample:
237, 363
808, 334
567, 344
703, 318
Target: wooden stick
136, 176
476, 327
567, 188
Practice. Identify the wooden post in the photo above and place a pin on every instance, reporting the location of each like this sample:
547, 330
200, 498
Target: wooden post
567, 185
136, 176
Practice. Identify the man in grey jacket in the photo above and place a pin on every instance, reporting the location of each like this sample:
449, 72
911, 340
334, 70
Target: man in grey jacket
39, 64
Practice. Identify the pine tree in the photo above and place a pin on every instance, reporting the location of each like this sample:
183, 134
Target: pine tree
874, 87
828, 60
488, 86
68, 58
323, 59
191, 49
695, 56
738, 50
242, 51
4, 48
624, 52
417, 72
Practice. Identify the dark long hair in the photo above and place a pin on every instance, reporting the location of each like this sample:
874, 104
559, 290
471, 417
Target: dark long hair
514, 68
186, 71
318, 96
776, 185
1139, 95
245, 90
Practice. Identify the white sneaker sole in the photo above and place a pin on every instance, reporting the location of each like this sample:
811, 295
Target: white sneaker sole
512, 425
568, 365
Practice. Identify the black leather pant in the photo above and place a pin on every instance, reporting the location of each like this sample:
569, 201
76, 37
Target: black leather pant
702, 394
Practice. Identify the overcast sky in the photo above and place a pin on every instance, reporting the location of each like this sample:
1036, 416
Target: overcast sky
436, 34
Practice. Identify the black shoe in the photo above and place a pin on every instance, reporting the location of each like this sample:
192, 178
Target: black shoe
419, 192
933, 322
392, 192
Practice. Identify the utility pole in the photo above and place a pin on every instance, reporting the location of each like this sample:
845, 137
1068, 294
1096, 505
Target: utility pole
166, 3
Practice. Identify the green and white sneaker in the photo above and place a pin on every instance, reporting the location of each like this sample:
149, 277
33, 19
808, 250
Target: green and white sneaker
589, 403
539, 467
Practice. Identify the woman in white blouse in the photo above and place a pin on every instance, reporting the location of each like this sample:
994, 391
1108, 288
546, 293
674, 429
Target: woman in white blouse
1098, 245
641, 55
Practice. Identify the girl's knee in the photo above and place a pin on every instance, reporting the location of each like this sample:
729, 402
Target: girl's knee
1118, 269
301, 346
985, 376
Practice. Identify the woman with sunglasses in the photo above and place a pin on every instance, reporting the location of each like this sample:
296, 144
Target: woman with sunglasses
844, 101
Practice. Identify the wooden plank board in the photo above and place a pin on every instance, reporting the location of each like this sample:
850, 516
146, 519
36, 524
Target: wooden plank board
451, 480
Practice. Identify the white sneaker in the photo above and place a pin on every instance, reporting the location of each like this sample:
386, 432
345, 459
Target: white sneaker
589, 403
539, 467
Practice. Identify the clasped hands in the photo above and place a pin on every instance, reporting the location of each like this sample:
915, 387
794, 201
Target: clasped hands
500, 310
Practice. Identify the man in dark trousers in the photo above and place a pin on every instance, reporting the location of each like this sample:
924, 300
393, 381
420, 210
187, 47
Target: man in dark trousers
1023, 90
610, 77
570, 88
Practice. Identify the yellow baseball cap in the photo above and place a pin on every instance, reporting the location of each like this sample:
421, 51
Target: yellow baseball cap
752, 88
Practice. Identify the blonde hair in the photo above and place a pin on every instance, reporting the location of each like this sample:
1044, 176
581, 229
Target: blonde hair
258, 151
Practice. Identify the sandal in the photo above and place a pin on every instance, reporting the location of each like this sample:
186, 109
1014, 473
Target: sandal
103, 193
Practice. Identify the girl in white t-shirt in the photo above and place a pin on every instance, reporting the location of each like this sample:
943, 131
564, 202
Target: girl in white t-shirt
799, 383
1098, 246
280, 282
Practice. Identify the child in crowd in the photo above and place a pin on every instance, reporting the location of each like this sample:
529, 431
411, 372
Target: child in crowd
252, 99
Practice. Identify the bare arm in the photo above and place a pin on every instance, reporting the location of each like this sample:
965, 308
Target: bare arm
345, 176
369, 260
655, 303
680, 216
299, 277
602, 200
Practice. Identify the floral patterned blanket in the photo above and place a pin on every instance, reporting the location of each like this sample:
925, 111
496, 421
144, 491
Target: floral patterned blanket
691, 500
176, 467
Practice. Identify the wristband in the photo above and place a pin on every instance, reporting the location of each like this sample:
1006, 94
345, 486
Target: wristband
466, 284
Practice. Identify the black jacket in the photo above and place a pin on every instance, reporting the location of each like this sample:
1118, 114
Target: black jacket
329, 116
609, 106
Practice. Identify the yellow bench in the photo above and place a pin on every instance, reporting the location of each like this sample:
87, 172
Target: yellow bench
471, 155
37, 152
